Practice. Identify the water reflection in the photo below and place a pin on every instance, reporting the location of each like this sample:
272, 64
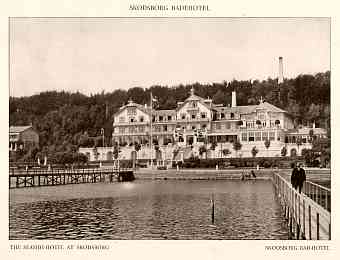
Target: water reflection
148, 210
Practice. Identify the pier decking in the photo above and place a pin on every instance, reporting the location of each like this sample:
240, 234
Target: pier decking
44, 177
307, 213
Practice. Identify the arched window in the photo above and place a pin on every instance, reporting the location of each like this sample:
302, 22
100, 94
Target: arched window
293, 152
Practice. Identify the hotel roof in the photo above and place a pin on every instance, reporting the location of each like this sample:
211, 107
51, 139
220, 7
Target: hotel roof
19, 129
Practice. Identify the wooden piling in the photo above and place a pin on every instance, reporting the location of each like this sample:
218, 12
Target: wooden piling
317, 227
310, 222
212, 209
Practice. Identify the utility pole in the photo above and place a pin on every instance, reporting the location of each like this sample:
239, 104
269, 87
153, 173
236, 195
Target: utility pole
103, 136
151, 117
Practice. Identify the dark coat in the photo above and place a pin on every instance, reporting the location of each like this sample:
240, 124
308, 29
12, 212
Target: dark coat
294, 177
301, 177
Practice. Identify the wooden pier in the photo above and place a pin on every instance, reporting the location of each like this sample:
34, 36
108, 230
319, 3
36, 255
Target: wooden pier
44, 177
307, 219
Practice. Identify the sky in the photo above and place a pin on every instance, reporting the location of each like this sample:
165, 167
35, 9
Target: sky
91, 55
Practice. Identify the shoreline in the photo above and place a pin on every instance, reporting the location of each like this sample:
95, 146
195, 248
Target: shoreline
222, 174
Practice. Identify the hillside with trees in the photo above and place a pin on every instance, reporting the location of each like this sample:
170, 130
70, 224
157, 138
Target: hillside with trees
66, 120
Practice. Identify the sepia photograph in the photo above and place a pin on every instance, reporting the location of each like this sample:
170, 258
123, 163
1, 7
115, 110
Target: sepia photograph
169, 128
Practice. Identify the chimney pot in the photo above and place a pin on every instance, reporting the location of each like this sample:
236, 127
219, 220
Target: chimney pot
280, 80
233, 99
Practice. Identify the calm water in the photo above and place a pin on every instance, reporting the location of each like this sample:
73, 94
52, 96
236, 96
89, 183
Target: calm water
147, 210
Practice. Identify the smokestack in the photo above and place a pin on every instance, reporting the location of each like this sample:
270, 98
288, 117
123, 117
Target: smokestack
280, 80
233, 99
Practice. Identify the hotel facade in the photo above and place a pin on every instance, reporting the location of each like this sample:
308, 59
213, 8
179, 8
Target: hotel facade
197, 122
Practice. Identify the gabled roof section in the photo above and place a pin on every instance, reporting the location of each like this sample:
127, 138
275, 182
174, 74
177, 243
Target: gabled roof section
146, 110
19, 129
194, 97
266, 105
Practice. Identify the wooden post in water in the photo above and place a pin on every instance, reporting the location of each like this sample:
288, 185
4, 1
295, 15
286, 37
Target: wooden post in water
317, 227
304, 219
212, 209
309, 222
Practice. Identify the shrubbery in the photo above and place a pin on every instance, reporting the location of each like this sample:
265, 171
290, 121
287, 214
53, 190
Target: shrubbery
236, 162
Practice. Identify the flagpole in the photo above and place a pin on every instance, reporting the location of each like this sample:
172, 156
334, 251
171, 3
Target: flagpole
151, 131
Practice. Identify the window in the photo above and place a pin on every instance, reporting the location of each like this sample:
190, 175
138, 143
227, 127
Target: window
251, 137
244, 137
193, 116
121, 119
193, 127
131, 111
272, 136
232, 115
258, 136
169, 118
264, 136
131, 120
121, 129
165, 128
227, 125
183, 116
141, 129
160, 118
218, 126
222, 116
203, 115
141, 119
204, 126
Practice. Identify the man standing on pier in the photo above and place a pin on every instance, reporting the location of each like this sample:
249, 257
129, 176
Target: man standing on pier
294, 177
301, 177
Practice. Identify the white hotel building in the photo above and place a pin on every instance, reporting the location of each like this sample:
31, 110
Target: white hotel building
179, 129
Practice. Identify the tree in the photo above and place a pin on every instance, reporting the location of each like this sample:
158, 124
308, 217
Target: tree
116, 151
254, 151
137, 147
237, 146
284, 151
213, 145
267, 144
202, 150
226, 152
309, 156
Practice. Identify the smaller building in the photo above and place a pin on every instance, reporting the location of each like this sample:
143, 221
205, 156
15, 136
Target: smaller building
21, 137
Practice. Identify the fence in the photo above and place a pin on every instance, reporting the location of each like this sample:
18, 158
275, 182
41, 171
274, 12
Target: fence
306, 218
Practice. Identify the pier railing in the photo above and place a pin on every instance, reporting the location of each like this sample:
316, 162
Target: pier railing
306, 218
318, 193
45, 177
57, 171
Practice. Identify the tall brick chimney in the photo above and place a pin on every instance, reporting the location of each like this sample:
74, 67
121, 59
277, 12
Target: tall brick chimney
280, 80
233, 99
